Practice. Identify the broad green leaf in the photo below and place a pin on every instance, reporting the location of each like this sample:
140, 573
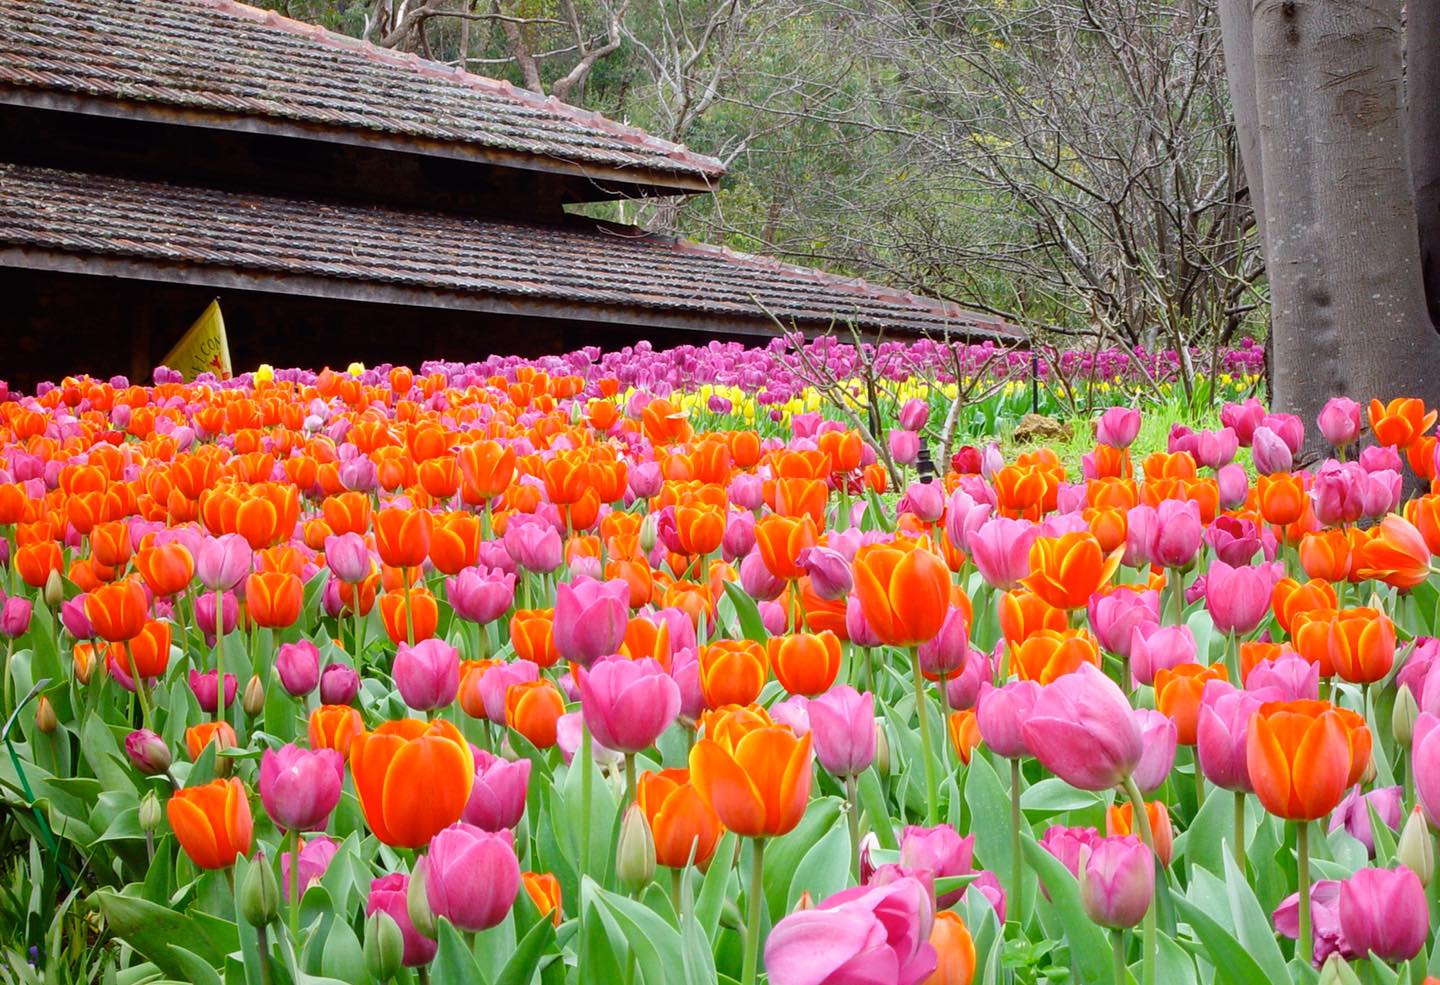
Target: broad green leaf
1252, 924
825, 869
1089, 950
990, 819
453, 961
751, 625
784, 854
1233, 964
521, 966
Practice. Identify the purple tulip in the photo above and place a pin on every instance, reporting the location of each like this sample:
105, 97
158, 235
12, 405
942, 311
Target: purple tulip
359, 474
842, 727
590, 618
388, 893
855, 936
1083, 730
828, 570
1353, 814
1325, 933
205, 687
1239, 598
1117, 881
1339, 421
1158, 735
1118, 427
1383, 912
348, 558
480, 595
300, 787
471, 876
15, 617
298, 665
497, 800
221, 562
1115, 616
1154, 648
315, 856
339, 684
427, 674
1000, 714
627, 704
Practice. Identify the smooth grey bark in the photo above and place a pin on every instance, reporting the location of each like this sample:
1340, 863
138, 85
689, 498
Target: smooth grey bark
1348, 312
1422, 68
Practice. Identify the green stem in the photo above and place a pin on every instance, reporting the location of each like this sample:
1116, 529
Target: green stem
1240, 830
1122, 970
1016, 858
1142, 821
629, 780
262, 939
1199, 782
1304, 945
9, 685
752, 925
852, 815
677, 882
586, 759
409, 615
931, 784
295, 888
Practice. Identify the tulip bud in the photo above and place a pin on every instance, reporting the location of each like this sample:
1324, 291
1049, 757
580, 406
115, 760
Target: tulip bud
54, 591
417, 902
882, 749
254, 700
148, 752
259, 893
150, 814
1402, 717
339, 684
1368, 777
1416, 850
649, 533
635, 853
1337, 971
384, 946
45, 719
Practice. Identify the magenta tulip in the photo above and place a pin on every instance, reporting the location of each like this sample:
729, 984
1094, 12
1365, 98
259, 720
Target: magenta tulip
76, 622
1083, 730
206, 689
914, 413
1289, 677
497, 800
962, 690
1383, 912
590, 618
298, 665
878, 934
627, 704
205, 613
148, 752
1235, 540
1069, 845
1325, 933
427, 674
1117, 881
339, 684
496, 681
471, 876
300, 787
940, 852
1221, 732
828, 570
15, 617
947, 651
1425, 748
1158, 736
842, 727
1176, 536
388, 894
480, 595
348, 557
1000, 714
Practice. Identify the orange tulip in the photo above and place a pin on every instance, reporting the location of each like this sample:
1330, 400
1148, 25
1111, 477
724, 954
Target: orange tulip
1253, 652
732, 672
1299, 756
964, 731
1047, 654
1066, 570
804, 663
755, 777
274, 598
1291, 598
455, 543
110, 543
1399, 422
402, 537
1358, 644
197, 737
335, 727
1281, 497
1023, 613
1178, 691
904, 590
799, 497
34, 562
532, 632
1120, 818
148, 654
1424, 513
1022, 493
486, 469
1361, 744
685, 827
212, 822
533, 708
544, 891
1396, 554
954, 950
644, 638
117, 612
425, 614
166, 568
781, 539
700, 527
347, 513
412, 778
1326, 554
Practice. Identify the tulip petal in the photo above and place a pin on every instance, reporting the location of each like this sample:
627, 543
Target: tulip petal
727, 788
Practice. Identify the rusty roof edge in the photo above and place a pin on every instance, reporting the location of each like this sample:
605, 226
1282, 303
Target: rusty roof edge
503, 88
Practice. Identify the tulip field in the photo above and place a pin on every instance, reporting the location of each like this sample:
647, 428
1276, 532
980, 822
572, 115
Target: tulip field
645, 670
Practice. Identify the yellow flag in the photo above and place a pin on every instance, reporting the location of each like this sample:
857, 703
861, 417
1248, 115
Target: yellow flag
203, 349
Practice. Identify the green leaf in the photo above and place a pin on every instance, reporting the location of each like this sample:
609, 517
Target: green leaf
655, 945
872, 799
343, 957
989, 804
453, 960
825, 869
604, 816
1233, 964
1053, 795
521, 967
1203, 843
151, 929
716, 887
1252, 924
784, 854
1089, 950
196, 970
751, 625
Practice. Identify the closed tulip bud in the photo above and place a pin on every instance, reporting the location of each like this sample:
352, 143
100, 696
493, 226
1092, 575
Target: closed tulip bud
1117, 881
15, 617
649, 533
150, 813
1416, 849
298, 665
45, 719
635, 851
259, 893
254, 700
1403, 715
54, 591
339, 684
384, 946
417, 902
882, 750
148, 752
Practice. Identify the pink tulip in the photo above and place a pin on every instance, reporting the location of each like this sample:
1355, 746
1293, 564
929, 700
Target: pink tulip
1118, 427
1083, 730
1069, 845
300, 787
962, 690
914, 413
534, 544
628, 703
568, 730
77, 624
685, 672
1115, 616
987, 884
1234, 539
756, 579
1243, 419
1175, 538
1180, 439
1380, 492
1117, 881
924, 500
1289, 677
1158, 736
1336, 493
1377, 458
15, 617
843, 729
1325, 933
1140, 525
1154, 648
940, 852
1418, 664
590, 618
946, 652
347, 557
1289, 428
775, 618
1353, 814
205, 613
1234, 485
496, 681
1000, 548
480, 595
339, 684
1214, 449
388, 893
1383, 912
206, 689
298, 666
963, 516
904, 446
1270, 453
828, 570
148, 752
747, 491
497, 800
739, 539
868, 934
1425, 748
1000, 714
1339, 421
221, 562
427, 674
1221, 732
857, 627
471, 876
315, 857
794, 712
1239, 598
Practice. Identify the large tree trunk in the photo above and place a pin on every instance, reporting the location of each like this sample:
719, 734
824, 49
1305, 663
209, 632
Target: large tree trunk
1422, 67
1341, 240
